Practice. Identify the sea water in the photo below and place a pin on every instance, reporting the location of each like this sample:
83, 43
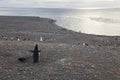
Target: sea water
90, 21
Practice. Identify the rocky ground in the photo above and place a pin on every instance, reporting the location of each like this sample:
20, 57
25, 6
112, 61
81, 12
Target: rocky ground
66, 55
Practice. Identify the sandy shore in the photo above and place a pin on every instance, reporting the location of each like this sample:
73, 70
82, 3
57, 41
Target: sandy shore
66, 55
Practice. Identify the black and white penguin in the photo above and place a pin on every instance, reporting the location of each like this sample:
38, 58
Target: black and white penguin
35, 54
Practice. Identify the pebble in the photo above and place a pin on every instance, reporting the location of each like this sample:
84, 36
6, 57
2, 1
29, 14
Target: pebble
95, 75
92, 66
24, 72
9, 70
12, 38
23, 77
9, 76
19, 73
31, 72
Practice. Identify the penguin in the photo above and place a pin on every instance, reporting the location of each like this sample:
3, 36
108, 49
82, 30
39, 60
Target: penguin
35, 54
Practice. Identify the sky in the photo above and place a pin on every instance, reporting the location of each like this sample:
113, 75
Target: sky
60, 3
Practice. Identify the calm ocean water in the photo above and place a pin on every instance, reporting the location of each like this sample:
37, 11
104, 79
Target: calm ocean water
99, 22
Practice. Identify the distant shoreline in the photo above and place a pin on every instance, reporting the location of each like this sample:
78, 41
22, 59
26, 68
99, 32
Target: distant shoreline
72, 19
49, 20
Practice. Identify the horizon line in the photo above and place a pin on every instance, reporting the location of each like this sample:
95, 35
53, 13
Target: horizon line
65, 8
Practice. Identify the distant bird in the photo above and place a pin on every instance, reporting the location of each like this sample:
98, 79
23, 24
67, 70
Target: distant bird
41, 38
35, 54
85, 44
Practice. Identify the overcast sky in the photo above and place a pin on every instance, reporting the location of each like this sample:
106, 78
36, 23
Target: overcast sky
60, 3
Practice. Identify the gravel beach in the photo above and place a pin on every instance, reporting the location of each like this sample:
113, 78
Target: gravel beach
65, 54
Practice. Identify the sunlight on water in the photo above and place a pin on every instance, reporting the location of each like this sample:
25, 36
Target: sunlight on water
93, 22
99, 22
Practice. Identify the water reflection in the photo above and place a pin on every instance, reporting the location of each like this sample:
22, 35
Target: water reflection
94, 22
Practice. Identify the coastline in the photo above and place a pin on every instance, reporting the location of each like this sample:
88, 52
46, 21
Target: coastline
66, 55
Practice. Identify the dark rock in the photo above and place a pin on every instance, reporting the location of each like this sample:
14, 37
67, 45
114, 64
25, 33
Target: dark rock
22, 59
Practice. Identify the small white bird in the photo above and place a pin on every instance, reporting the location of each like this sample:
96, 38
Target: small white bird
41, 38
85, 44
18, 39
